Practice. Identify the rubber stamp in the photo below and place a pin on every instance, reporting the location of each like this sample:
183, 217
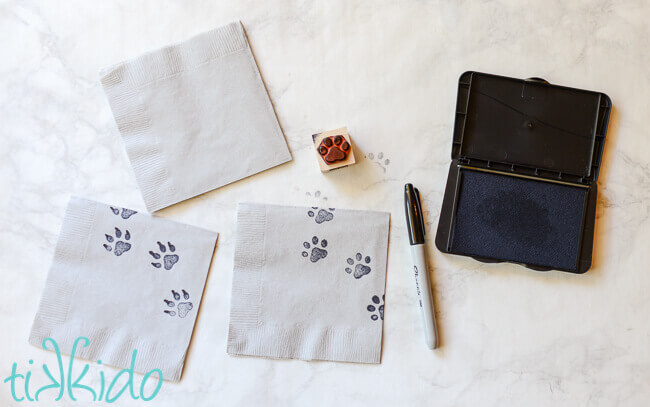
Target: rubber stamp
333, 149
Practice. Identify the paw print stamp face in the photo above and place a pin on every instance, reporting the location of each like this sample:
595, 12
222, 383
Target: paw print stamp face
118, 244
178, 307
321, 215
126, 213
168, 260
360, 269
317, 253
333, 149
379, 160
376, 307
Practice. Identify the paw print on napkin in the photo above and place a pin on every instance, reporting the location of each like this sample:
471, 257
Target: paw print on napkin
360, 269
376, 307
183, 308
126, 213
168, 259
121, 246
317, 253
321, 215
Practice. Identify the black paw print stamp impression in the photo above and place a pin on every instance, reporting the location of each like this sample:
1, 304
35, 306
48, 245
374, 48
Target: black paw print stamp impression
360, 269
320, 215
317, 253
126, 213
178, 307
168, 260
120, 246
376, 307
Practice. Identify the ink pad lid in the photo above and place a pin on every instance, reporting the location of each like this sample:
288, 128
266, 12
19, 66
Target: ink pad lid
530, 127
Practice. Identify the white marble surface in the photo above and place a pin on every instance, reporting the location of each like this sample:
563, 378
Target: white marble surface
388, 71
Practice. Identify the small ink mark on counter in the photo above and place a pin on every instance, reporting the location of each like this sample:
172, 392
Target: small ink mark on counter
379, 160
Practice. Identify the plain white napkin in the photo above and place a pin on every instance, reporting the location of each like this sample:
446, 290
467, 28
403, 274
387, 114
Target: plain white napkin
126, 281
194, 116
308, 283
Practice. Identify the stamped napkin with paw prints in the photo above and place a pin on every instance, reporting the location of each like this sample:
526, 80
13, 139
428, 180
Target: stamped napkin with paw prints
308, 283
126, 281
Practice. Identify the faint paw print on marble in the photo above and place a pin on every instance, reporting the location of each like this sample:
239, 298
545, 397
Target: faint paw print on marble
321, 215
379, 160
317, 253
376, 309
126, 213
177, 307
359, 269
118, 244
316, 197
168, 260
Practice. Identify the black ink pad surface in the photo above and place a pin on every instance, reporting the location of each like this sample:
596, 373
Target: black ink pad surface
522, 182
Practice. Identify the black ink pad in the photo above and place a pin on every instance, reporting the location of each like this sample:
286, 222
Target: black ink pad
522, 182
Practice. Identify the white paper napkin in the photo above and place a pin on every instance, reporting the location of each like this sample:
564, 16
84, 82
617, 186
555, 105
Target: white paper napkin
194, 116
126, 281
308, 283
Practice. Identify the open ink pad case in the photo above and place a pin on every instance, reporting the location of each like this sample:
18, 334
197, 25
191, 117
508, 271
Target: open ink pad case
522, 181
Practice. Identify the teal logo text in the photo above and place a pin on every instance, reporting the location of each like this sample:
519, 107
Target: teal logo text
66, 385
